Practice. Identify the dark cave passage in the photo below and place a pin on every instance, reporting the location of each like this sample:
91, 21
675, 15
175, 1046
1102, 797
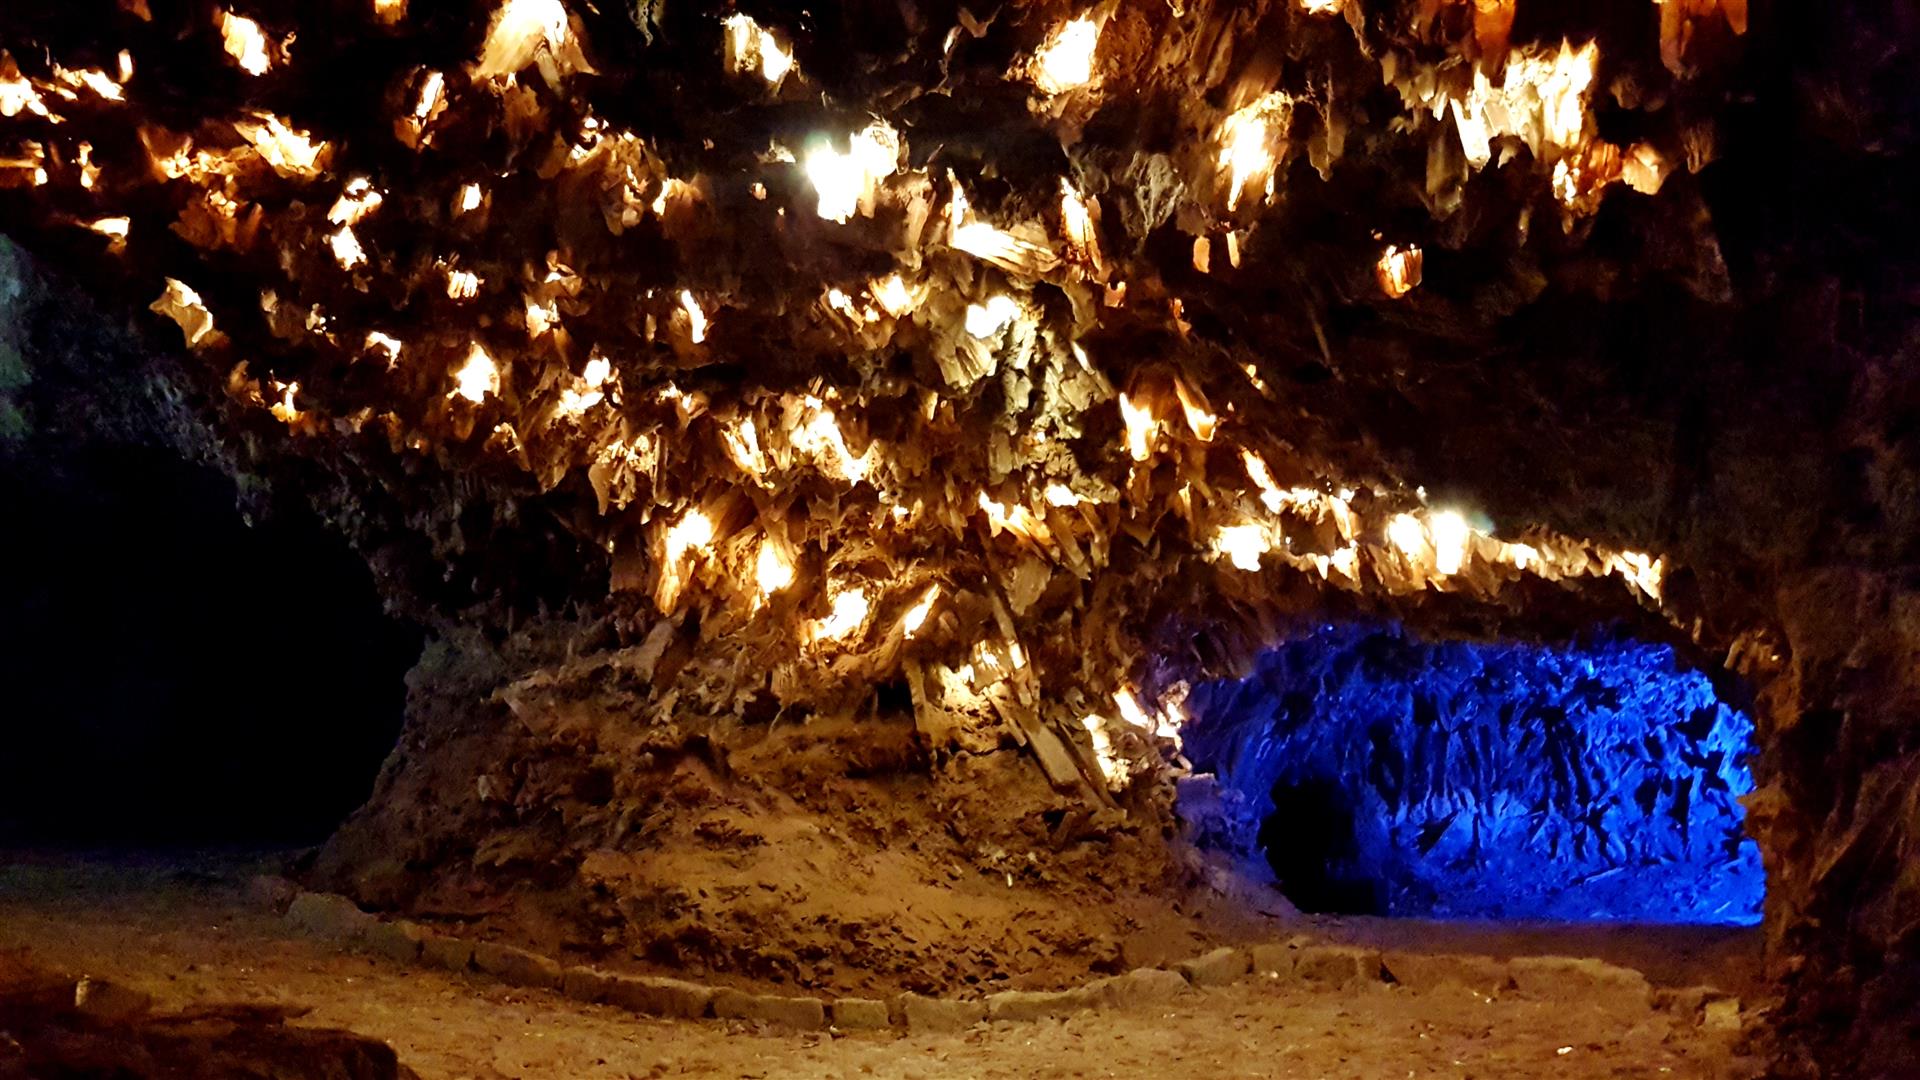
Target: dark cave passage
1371, 773
176, 677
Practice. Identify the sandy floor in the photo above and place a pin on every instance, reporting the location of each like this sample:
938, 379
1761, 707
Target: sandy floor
189, 935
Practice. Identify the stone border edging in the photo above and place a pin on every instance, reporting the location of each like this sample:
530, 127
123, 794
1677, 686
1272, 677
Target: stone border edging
1300, 959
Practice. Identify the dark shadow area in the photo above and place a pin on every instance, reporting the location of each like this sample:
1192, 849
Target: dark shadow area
1372, 773
173, 676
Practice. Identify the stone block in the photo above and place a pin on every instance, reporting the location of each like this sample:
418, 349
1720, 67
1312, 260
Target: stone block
586, 984
1221, 967
1570, 978
859, 1014
511, 964
109, 1001
329, 916
1277, 958
397, 939
1024, 1005
1141, 986
1430, 971
1337, 965
801, 1013
919, 1013
453, 954
651, 995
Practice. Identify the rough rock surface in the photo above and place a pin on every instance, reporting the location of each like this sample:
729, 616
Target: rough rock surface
56, 1025
1659, 332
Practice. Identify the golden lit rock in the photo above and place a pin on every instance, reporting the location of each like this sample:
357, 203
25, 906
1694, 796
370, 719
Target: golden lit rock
184, 306
245, 43
848, 183
1065, 61
1399, 270
477, 378
1249, 139
752, 49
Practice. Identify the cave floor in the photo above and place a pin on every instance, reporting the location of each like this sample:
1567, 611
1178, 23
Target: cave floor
184, 930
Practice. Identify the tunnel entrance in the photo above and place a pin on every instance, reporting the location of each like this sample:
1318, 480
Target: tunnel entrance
175, 677
1372, 773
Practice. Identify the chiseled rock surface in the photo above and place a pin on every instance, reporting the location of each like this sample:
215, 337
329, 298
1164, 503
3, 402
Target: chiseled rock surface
859, 1014
586, 984
919, 1013
1220, 967
1141, 986
1337, 965
804, 1013
653, 995
1277, 958
1017, 1005
515, 965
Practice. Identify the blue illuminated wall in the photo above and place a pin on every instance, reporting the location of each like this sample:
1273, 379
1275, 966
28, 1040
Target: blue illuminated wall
1374, 773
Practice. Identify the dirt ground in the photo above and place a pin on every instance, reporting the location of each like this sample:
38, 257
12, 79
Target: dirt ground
184, 931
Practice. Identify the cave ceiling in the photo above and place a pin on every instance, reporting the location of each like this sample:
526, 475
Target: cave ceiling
1042, 355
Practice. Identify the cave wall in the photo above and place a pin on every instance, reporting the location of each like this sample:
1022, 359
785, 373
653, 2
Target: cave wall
1567, 780
176, 639
1691, 407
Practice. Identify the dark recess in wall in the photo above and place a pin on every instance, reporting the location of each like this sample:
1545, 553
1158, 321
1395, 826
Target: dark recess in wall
174, 676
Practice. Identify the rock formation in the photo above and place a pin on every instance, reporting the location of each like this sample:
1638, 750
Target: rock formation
832, 441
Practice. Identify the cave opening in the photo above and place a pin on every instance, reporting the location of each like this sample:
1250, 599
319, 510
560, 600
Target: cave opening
177, 675
1366, 771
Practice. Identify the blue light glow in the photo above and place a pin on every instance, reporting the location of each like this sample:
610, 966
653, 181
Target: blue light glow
1379, 774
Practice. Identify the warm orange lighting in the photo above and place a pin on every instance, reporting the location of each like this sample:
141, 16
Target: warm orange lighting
477, 378
245, 42
385, 343
528, 31
1450, 536
183, 305
1247, 138
847, 614
916, 616
1141, 428
290, 153
848, 183
462, 285
696, 318
346, 248
1065, 61
893, 295
772, 570
284, 410
750, 48
1399, 270
356, 201
988, 319
1242, 545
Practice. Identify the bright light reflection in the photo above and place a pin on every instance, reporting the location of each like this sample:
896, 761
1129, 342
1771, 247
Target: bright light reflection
1066, 59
